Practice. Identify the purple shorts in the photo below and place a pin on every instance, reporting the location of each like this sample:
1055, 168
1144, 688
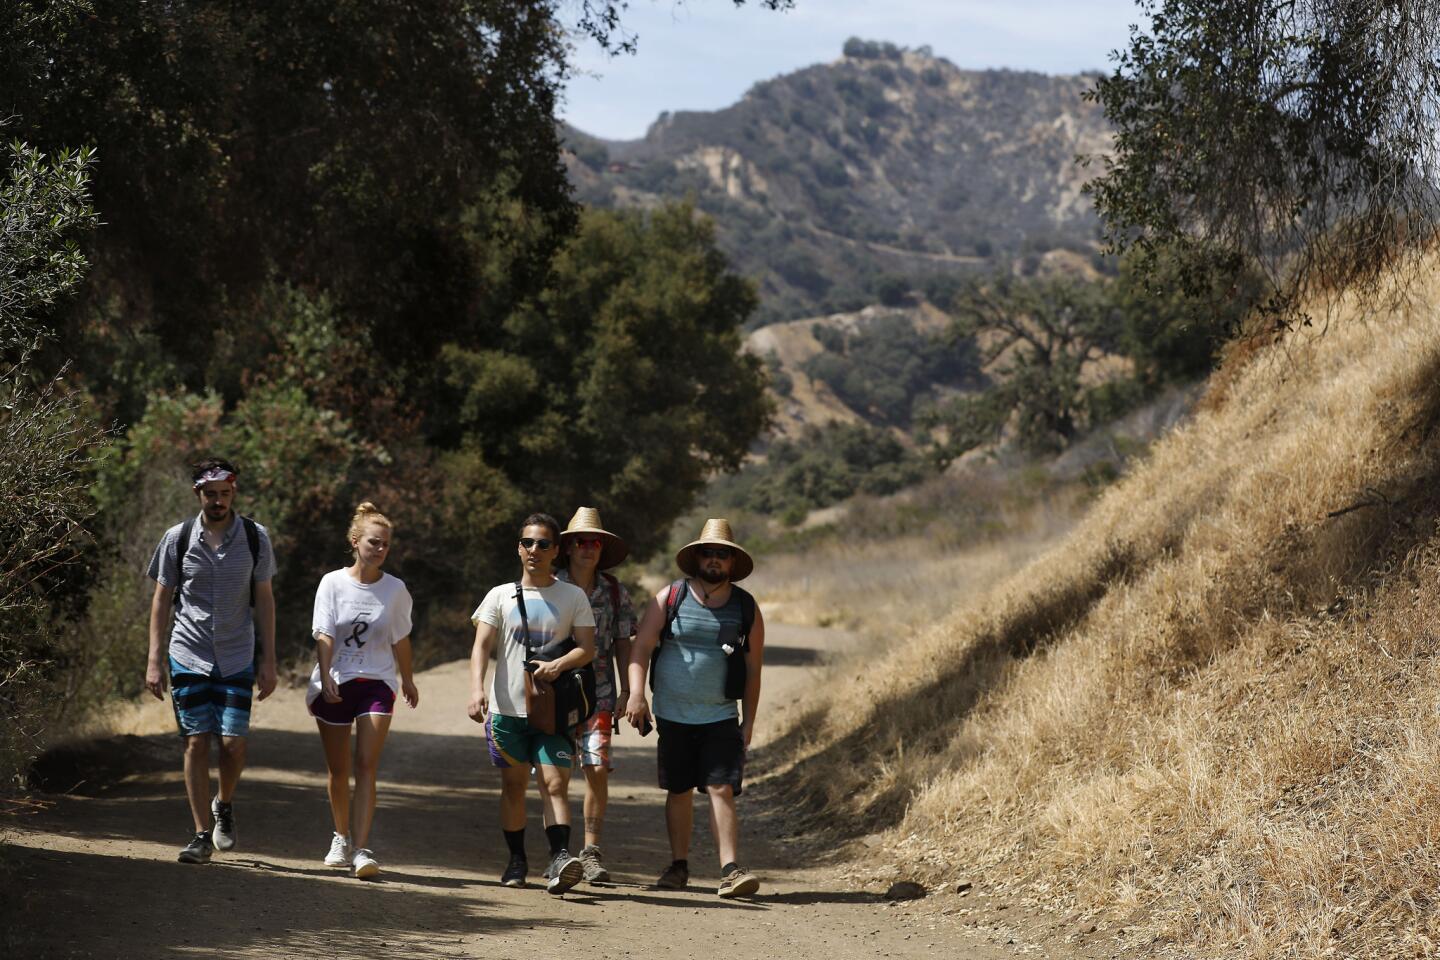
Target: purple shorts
357, 698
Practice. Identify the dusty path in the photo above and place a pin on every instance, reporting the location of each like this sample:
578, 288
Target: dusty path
100, 879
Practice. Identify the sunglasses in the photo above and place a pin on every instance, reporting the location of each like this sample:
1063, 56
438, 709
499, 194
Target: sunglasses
715, 553
588, 542
530, 543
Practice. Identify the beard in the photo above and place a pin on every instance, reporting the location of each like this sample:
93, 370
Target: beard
712, 577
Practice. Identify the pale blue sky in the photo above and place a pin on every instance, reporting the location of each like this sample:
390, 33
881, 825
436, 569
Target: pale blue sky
704, 54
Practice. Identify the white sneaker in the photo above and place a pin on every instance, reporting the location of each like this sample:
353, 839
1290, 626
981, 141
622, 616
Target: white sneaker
339, 855
364, 864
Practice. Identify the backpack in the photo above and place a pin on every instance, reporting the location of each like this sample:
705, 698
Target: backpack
182, 543
736, 671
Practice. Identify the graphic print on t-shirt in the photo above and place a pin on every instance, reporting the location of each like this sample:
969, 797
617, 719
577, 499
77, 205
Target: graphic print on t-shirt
355, 615
357, 630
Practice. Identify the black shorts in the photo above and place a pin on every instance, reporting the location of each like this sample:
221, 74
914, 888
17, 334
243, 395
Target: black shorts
694, 756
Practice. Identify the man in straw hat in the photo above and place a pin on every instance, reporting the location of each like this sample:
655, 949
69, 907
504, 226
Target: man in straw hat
711, 640
588, 549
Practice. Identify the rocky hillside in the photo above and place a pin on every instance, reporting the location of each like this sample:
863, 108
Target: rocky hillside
853, 181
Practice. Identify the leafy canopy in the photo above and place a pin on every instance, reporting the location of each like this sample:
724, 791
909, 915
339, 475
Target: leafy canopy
45, 438
1295, 137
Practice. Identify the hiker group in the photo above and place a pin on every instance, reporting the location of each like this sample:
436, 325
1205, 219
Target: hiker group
558, 659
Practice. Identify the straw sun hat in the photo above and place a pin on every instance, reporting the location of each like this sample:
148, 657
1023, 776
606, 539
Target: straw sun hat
717, 534
587, 520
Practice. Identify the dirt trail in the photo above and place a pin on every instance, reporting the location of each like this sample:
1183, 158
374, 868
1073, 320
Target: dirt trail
100, 879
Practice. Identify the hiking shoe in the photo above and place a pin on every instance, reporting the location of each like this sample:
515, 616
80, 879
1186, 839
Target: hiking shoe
515, 870
364, 864
738, 883
675, 877
595, 871
565, 872
199, 849
339, 855
224, 814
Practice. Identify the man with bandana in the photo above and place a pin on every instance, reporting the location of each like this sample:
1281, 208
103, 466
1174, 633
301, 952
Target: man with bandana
214, 572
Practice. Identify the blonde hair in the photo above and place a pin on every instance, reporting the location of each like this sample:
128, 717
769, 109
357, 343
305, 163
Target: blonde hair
366, 513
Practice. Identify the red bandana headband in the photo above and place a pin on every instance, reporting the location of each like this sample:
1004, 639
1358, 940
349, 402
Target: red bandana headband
214, 475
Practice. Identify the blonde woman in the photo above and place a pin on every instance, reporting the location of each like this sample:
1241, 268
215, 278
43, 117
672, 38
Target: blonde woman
362, 638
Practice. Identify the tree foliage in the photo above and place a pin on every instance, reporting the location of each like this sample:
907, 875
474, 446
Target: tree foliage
45, 437
822, 466
885, 369
383, 152
622, 386
1037, 336
1298, 138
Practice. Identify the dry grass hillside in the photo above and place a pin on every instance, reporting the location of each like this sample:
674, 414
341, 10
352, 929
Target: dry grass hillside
1209, 713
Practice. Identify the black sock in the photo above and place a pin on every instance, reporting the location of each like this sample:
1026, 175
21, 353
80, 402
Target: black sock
559, 836
682, 864
729, 868
515, 840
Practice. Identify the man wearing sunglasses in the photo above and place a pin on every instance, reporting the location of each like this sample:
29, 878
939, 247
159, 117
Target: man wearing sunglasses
553, 611
711, 641
589, 549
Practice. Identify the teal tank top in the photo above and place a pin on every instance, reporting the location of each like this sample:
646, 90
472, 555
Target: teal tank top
690, 670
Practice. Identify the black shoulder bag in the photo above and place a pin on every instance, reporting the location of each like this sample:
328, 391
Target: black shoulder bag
569, 701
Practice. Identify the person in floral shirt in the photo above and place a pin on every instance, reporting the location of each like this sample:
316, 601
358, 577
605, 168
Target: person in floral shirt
589, 549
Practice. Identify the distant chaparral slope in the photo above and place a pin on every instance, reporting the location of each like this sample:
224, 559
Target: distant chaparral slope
886, 163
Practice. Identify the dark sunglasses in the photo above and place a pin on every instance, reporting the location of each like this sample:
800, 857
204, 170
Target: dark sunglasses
544, 543
588, 542
715, 553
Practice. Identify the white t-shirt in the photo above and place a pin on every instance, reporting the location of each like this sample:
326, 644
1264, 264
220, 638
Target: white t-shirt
554, 611
365, 620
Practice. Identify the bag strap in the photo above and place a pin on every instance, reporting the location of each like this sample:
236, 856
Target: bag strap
524, 617
747, 614
182, 545
252, 537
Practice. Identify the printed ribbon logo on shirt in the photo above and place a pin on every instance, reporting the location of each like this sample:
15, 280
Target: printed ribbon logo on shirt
357, 630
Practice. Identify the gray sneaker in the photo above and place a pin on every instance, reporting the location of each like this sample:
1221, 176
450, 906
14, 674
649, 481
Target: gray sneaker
224, 833
565, 872
199, 849
595, 871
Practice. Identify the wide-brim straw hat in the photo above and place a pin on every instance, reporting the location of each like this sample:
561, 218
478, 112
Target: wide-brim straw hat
587, 520
716, 534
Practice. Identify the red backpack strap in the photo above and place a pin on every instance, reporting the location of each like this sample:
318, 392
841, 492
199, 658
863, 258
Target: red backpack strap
673, 598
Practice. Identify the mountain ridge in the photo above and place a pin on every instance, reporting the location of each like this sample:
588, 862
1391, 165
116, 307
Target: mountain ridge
886, 166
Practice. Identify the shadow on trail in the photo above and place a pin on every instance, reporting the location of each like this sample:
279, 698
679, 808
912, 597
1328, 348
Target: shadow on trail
778, 656
281, 914
810, 897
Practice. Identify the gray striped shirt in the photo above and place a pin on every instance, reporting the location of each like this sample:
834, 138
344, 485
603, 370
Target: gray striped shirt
213, 626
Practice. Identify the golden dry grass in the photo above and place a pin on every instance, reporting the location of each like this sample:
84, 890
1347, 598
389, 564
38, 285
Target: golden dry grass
1213, 705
